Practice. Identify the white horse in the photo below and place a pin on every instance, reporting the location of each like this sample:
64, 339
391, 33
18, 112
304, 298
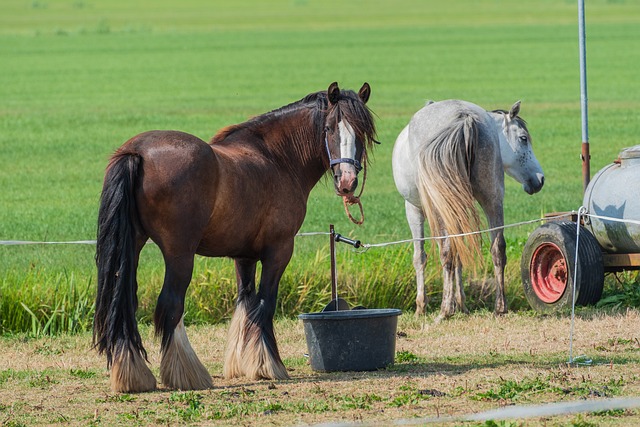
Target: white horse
449, 154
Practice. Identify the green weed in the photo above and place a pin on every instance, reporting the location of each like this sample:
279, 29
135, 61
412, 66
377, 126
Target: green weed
312, 406
527, 388
6, 375
42, 380
192, 405
621, 295
358, 402
580, 421
83, 373
501, 423
39, 379
406, 357
121, 397
610, 413
517, 390
410, 395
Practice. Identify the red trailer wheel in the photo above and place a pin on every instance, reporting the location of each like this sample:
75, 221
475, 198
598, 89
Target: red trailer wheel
549, 272
548, 262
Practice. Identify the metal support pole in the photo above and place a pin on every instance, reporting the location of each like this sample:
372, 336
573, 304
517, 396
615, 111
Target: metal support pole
586, 157
334, 279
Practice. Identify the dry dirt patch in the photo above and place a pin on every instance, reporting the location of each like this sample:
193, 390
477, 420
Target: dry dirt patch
462, 366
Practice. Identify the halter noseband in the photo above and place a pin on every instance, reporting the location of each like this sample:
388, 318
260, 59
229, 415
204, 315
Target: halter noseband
333, 162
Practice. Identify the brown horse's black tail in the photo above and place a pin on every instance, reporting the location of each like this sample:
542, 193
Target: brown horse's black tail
115, 328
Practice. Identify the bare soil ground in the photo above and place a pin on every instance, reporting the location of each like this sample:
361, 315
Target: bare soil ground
443, 373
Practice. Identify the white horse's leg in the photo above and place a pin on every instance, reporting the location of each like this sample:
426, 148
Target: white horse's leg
499, 257
459, 289
493, 209
180, 368
448, 306
415, 218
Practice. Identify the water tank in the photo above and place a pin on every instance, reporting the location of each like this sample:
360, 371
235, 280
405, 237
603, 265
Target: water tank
615, 192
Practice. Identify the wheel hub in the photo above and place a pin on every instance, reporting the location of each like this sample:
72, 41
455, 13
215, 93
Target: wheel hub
549, 274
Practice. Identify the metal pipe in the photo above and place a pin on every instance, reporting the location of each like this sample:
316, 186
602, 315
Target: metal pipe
586, 157
334, 279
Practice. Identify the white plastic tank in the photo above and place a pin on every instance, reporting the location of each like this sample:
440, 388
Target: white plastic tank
614, 192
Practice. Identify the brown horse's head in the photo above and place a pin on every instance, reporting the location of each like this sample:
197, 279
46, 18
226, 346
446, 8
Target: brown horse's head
349, 131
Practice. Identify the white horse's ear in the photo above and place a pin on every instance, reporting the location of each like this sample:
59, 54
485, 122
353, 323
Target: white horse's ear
515, 109
333, 92
365, 92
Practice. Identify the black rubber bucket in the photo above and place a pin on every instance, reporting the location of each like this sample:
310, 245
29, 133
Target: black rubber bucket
351, 340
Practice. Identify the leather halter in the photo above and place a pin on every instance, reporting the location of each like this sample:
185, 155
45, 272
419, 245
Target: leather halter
348, 201
333, 162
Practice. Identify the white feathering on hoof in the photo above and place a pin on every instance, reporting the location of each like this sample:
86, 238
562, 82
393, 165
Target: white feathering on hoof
260, 363
247, 353
180, 368
130, 373
235, 339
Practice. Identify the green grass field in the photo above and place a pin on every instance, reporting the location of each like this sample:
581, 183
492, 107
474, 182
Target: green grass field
78, 78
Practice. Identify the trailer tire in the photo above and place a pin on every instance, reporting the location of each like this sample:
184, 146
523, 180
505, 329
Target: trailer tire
547, 267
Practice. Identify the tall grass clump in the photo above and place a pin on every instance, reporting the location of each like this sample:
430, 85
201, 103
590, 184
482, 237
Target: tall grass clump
45, 305
622, 292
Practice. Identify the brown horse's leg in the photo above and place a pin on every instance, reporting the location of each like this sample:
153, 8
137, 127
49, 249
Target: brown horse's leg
246, 277
129, 372
180, 368
252, 349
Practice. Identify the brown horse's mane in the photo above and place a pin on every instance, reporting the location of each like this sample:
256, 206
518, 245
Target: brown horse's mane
317, 108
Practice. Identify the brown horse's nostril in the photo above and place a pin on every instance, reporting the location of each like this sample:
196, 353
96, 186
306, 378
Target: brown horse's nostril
345, 190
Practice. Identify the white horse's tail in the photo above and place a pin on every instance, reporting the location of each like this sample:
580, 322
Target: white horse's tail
444, 184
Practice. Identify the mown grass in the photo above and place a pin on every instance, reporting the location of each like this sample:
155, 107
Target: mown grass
78, 79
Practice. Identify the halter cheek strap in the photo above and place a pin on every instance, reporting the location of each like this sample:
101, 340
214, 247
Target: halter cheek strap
349, 200
333, 162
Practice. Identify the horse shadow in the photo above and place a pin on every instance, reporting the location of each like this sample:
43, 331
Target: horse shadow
617, 233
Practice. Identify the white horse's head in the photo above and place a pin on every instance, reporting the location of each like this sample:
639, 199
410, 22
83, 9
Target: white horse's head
515, 147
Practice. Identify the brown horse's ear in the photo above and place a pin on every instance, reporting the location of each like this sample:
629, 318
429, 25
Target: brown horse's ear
365, 92
333, 92
515, 109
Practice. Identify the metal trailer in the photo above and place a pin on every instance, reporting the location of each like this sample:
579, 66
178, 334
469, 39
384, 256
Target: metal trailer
608, 236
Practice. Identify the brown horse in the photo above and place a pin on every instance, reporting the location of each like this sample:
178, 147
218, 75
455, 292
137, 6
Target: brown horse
242, 196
